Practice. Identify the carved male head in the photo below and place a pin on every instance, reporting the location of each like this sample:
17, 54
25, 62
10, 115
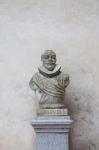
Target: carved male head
49, 59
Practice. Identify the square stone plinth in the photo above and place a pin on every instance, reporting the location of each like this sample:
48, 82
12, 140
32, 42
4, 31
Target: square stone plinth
52, 132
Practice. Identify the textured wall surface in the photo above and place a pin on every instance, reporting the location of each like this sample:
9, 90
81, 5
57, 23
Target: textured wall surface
27, 28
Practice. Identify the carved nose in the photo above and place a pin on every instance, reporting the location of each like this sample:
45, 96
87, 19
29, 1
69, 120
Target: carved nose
50, 58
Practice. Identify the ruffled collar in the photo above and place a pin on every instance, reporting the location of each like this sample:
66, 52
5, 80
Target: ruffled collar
48, 73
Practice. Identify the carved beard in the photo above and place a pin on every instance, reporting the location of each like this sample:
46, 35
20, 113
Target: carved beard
49, 66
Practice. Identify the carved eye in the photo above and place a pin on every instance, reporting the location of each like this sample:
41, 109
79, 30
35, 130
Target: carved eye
53, 57
46, 56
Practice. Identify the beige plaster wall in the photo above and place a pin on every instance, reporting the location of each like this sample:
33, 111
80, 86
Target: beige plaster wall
27, 28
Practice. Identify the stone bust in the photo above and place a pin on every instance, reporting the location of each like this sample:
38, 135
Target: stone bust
49, 82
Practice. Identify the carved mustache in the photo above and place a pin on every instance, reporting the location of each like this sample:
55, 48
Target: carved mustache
50, 63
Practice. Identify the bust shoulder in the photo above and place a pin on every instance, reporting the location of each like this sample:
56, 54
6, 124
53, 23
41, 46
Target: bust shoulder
63, 79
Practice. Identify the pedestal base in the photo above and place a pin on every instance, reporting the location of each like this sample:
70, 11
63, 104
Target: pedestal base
52, 132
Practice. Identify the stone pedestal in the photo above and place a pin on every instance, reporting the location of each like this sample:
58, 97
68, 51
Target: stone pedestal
52, 131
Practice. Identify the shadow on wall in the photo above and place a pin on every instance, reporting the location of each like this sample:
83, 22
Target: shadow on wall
78, 100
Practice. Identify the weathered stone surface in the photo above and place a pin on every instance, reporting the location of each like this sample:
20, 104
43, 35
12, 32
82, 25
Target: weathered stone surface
27, 28
52, 141
47, 112
49, 82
